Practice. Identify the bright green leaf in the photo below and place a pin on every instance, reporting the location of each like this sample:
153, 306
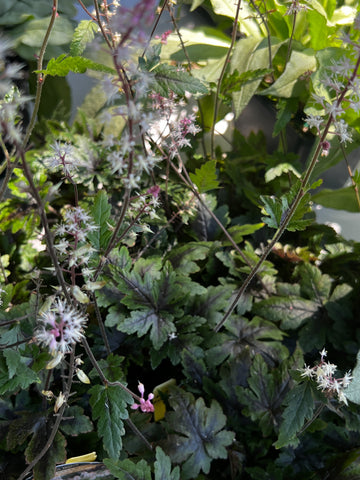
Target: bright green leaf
205, 177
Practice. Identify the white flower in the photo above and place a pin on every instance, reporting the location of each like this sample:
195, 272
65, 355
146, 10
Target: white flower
60, 327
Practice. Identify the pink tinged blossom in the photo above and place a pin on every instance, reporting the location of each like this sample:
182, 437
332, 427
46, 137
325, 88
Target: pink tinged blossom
145, 405
154, 191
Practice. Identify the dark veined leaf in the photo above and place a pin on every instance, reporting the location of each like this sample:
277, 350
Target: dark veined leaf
64, 64
100, 213
84, 34
109, 408
183, 258
162, 467
128, 470
264, 395
45, 467
290, 311
169, 79
199, 433
313, 284
300, 407
205, 177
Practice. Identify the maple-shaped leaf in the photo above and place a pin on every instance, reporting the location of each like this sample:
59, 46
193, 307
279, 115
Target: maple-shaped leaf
109, 407
162, 467
14, 372
265, 393
128, 470
199, 433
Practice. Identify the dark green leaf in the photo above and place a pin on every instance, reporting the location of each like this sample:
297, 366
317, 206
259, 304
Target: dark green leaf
300, 407
75, 422
128, 470
352, 392
100, 213
14, 372
162, 467
290, 311
109, 407
341, 199
169, 79
183, 257
199, 436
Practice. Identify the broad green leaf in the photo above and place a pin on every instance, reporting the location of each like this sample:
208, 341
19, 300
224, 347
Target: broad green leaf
32, 32
63, 64
313, 284
352, 392
341, 199
279, 170
162, 467
286, 108
318, 29
84, 34
300, 407
199, 433
100, 213
290, 83
205, 177
248, 23
169, 79
290, 311
109, 408
21, 427
250, 54
128, 470
237, 232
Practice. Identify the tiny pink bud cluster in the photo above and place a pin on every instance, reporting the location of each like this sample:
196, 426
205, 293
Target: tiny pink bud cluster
145, 405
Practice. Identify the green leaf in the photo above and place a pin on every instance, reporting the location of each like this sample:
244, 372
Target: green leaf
183, 258
64, 64
264, 394
169, 79
279, 170
352, 392
84, 34
250, 54
14, 372
300, 407
237, 232
100, 213
341, 199
290, 83
128, 470
314, 285
290, 311
45, 467
109, 407
205, 177
162, 467
75, 422
199, 436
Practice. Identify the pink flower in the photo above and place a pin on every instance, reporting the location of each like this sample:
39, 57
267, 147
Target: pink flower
145, 405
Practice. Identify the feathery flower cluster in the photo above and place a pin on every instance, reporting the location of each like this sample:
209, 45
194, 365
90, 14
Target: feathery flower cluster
324, 373
174, 126
295, 7
64, 158
60, 328
145, 405
343, 92
11, 100
77, 224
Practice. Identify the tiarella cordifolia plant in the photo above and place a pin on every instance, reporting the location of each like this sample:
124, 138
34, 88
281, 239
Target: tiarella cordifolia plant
150, 239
